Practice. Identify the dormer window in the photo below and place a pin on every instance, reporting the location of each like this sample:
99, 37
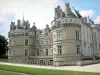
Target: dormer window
26, 34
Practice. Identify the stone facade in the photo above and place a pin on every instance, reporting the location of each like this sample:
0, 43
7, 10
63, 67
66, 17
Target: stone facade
70, 39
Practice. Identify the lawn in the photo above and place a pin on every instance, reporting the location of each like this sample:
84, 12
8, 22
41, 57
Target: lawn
9, 73
37, 71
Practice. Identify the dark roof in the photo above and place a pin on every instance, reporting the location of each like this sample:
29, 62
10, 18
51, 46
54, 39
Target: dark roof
77, 13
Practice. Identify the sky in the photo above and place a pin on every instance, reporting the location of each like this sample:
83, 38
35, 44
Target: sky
42, 11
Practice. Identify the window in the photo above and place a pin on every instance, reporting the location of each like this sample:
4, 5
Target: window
26, 42
46, 34
59, 49
26, 52
99, 46
9, 51
59, 35
46, 52
37, 52
26, 34
78, 49
42, 42
54, 36
46, 42
58, 24
13, 42
77, 35
58, 15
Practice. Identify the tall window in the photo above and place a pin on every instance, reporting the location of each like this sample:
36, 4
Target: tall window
59, 35
59, 49
46, 42
78, 49
99, 46
37, 52
77, 35
58, 15
26, 42
26, 52
46, 52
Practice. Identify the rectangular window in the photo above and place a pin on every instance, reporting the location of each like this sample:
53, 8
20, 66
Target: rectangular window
26, 34
58, 15
78, 49
26, 42
46, 52
26, 52
59, 49
59, 35
99, 46
37, 52
77, 35
46, 42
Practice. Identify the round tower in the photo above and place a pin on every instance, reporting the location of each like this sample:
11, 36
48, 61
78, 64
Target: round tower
66, 34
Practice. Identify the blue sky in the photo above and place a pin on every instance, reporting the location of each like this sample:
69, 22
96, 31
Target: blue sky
42, 11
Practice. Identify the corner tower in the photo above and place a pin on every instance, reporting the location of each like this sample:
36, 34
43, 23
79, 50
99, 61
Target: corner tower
66, 31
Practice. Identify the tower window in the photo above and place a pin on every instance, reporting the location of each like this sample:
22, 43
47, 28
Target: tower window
46, 42
58, 15
99, 46
46, 52
59, 49
37, 52
26, 52
78, 49
59, 35
26, 42
77, 35
58, 23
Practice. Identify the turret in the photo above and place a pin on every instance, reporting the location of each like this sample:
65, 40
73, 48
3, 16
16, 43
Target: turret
27, 25
34, 27
12, 26
68, 11
18, 24
58, 12
47, 29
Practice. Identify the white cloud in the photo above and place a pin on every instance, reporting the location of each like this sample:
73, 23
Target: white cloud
97, 20
86, 13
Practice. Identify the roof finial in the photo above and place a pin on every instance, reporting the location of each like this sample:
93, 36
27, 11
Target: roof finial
65, 1
34, 24
23, 16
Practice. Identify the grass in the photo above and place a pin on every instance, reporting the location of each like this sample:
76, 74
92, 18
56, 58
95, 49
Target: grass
37, 71
9, 73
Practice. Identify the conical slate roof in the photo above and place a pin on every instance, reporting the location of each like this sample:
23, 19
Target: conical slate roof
68, 11
77, 13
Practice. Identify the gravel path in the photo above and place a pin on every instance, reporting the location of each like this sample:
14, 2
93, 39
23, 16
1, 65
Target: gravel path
87, 68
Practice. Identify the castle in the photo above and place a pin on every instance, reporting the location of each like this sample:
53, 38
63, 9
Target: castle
70, 39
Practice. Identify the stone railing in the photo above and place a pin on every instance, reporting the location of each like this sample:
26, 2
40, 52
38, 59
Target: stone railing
87, 62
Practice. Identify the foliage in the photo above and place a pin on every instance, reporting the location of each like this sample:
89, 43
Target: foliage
37, 71
3, 45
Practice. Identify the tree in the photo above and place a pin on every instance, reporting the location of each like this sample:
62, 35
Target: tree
3, 45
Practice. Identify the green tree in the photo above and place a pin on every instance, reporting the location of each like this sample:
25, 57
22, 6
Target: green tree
3, 45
